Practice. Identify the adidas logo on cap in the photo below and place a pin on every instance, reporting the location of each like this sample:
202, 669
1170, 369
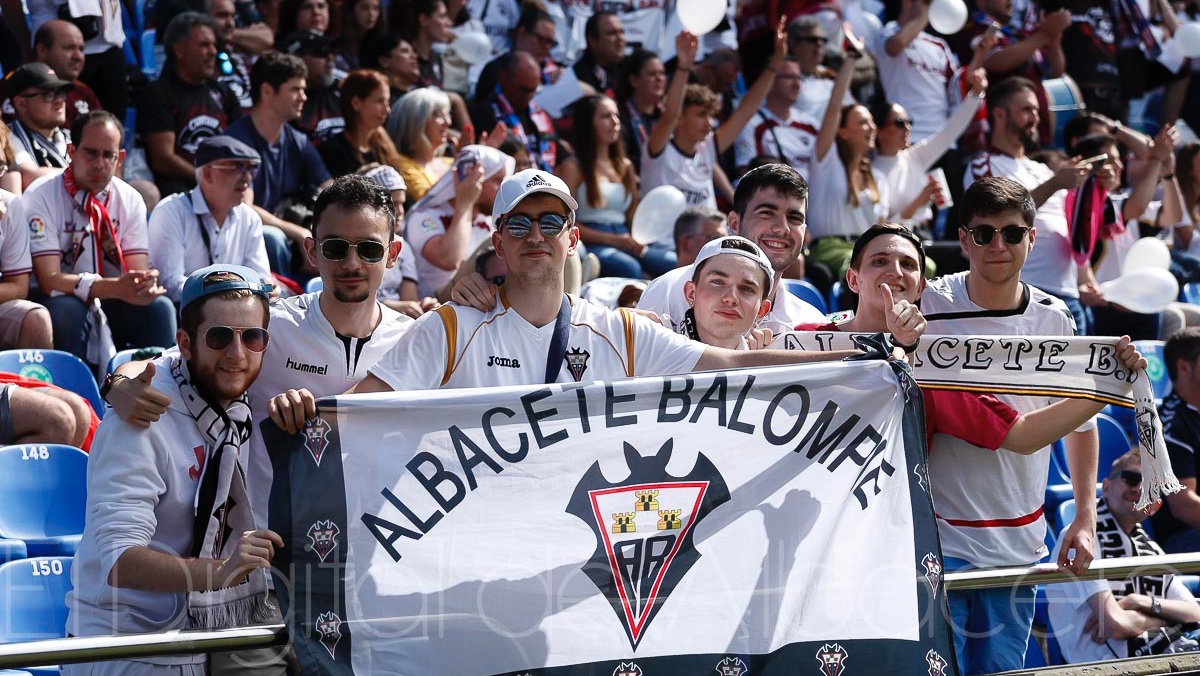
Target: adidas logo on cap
537, 180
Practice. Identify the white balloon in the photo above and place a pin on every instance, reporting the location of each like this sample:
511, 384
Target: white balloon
655, 217
1147, 253
947, 16
472, 47
1147, 291
1188, 36
701, 16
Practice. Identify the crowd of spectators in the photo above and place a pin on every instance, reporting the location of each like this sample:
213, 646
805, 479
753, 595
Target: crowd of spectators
126, 165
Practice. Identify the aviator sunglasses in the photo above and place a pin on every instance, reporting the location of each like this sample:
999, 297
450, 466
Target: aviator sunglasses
336, 248
519, 226
221, 337
984, 234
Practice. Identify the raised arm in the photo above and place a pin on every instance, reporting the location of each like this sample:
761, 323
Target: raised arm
829, 125
929, 151
728, 132
908, 31
660, 133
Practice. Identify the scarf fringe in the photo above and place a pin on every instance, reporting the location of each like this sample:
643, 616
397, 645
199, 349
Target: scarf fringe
1158, 480
238, 613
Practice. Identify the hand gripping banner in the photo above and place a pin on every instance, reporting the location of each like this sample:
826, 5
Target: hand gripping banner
769, 521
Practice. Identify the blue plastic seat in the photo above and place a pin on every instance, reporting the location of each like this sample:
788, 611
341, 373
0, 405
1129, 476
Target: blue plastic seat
1114, 443
315, 284
57, 368
805, 291
1190, 293
149, 62
835, 297
43, 497
1066, 513
1152, 350
35, 606
12, 550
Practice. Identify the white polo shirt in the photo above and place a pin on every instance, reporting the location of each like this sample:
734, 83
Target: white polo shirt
185, 237
918, 78
58, 227
792, 139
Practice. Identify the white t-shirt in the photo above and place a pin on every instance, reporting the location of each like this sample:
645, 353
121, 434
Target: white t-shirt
829, 212
989, 504
499, 347
1112, 251
693, 174
393, 277
425, 224
306, 352
792, 139
112, 30
664, 296
917, 78
58, 227
178, 247
14, 238
815, 92
499, 18
1050, 265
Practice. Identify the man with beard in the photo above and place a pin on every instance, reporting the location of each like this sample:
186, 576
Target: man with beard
769, 209
87, 237
39, 134
185, 105
211, 223
237, 49
321, 116
169, 540
59, 45
1014, 114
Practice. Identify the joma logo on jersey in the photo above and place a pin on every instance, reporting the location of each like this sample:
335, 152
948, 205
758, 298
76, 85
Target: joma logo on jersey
316, 439
505, 362
322, 538
644, 527
832, 659
329, 629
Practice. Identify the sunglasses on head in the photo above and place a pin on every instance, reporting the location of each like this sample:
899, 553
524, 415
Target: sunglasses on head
221, 337
336, 248
984, 234
1131, 477
520, 225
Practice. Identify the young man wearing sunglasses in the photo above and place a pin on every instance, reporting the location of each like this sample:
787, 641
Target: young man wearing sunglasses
211, 223
1140, 615
169, 540
990, 504
527, 336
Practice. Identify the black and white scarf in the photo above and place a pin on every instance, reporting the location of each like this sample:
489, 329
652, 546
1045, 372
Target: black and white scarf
1113, 543
44, 150
223, 508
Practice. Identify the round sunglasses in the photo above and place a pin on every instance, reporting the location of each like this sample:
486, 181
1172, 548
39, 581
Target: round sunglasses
520, 225
983, 235
336, 248
221, 337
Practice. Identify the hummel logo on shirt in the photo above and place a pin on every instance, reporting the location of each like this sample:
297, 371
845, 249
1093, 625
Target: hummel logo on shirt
537, 180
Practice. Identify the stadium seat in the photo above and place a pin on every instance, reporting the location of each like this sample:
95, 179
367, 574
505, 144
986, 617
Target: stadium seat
34, 602
1114, 443
1190, 293
805, 291
149, 62
1034, 657
315, 284
57, 368
1192, 582
1152, 350
43, 494
835, 297
1066, 513
126, 356
11, 550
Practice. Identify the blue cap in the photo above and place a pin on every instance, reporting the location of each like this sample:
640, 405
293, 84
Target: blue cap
197, 285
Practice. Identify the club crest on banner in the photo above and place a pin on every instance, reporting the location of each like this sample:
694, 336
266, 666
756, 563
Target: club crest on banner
937, 663
731, 666
329, 628
644, 527
316, 438
577, 359
922, 476
627, 669
933, 571
832, 659
322, 538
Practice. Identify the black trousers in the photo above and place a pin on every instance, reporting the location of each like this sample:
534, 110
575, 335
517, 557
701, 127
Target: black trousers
106, 74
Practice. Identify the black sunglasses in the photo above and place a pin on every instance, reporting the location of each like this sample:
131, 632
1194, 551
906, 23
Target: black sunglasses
551, 225
1130, 477
812, 38
984, 234
221, 337
336, 248
902, 123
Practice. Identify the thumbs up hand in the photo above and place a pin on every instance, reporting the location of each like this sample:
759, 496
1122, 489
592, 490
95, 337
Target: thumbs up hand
134, 400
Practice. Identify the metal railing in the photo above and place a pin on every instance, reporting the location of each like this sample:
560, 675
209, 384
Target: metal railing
72, 650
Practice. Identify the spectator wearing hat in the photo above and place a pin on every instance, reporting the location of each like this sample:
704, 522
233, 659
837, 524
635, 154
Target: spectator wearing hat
60, 44
170, 539
211, 224
40, 138
87, 237
186, 104
291, 170
398, 290
321, 116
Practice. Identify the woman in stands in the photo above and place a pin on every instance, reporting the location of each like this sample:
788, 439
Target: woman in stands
640, 98
365, 107
606, 186
393, 56
420, 126
302, 15
359, 23
424, 23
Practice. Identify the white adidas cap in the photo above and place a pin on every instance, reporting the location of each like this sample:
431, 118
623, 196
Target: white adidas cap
737, 246
529, 182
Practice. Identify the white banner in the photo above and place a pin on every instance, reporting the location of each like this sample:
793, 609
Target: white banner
768, 521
